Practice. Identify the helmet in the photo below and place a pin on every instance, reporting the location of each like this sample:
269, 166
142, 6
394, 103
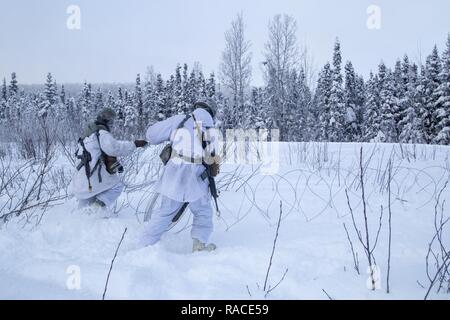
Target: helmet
106, 116
207, 104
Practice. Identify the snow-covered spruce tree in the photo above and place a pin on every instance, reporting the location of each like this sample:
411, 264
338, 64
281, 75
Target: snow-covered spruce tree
191, 89
53, 104
62, 95
322, 102
212, 89
186, 89
110, 100
408, 84
235, 68
139, 103
3, 99
222, 108
98, 103
60, 107
179, 104
406, 69
225, 114
399, 91
312, 130
304, 104
431, 83
336, 102
411, 126
257, 106
201, 85
50, 90
44, 105
351, 127
442, 97
171, 107
360, 104
160, 99
387, 132
281, 53
69, 123
420, 98
72, 111
149, 97
120, 109
130, 113
185, 75
85, 102
3, 111
297, 106
246, 122
267, 109
372, 110
13, 85
211, 86
4, 93
11, 107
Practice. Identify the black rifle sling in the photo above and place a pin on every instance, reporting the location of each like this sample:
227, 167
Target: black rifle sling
99, 162
181, 125
83, 147
207, 172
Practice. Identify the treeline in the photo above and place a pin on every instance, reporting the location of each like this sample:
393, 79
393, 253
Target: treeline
407, 103
150, 100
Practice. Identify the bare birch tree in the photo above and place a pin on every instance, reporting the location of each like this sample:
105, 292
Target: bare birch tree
282, 57
235, 69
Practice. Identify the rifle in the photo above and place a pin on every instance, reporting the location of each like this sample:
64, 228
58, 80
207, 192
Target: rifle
212, 183
207, 174
85, 158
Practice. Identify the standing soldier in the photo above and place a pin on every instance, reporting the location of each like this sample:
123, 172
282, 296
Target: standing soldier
188, 174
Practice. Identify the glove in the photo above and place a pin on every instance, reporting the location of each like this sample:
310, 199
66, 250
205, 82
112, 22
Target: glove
140, 143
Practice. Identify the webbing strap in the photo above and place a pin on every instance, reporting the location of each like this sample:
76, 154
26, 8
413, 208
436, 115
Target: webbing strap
181, 125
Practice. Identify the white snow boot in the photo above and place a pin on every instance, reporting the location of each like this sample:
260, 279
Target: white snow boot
97, 207
98, 204
200, 246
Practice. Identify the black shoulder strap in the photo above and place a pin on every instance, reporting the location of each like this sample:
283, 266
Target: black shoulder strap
97, 134
99, 161
186, 118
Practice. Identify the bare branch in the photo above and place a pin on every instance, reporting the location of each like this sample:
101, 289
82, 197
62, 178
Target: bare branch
112, 263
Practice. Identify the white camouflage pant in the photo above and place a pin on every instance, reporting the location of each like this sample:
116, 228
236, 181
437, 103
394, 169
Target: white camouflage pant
108, 197
161, 219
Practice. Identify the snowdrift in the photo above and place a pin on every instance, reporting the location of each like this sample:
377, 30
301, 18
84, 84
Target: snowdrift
66, 253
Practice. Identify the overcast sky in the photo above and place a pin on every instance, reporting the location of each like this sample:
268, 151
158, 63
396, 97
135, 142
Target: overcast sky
118, 39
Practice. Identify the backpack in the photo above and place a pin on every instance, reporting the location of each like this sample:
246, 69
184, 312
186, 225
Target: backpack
167, 152
112, 166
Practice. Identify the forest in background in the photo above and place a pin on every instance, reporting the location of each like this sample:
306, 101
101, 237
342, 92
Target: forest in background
406, 103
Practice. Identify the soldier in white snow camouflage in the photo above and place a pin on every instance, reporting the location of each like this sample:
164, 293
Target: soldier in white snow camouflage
182, 182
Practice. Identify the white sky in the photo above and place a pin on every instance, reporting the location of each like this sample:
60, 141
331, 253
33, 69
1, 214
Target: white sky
118, 39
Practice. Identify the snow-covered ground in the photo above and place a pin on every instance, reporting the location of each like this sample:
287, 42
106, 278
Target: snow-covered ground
46, 260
